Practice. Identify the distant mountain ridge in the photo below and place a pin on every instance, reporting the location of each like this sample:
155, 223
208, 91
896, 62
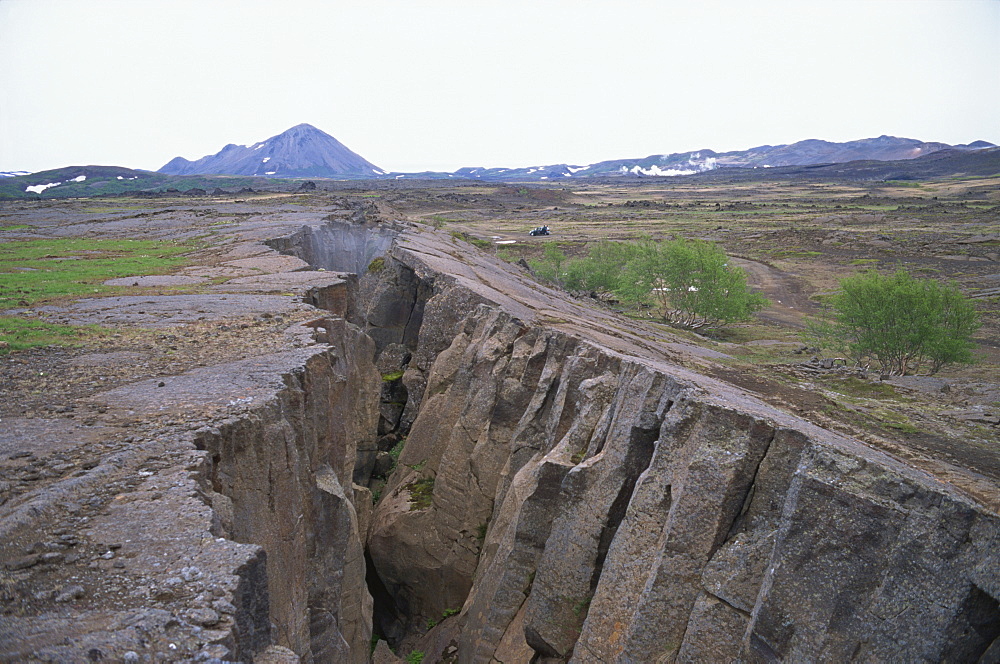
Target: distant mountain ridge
302, 151
803, 153
306, 152
949, 162
85, 181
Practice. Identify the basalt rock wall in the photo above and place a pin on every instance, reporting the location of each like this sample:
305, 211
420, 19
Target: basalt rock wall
347, 242
227, 527
282, 478
581, 497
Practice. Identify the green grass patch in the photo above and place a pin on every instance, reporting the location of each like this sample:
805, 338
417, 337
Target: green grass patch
421, 493
864, 261
397, 449
35, 271
795, 253
856, 387
395, 375
512, 254
474, 241
14, 227
38, 271
897, 421
20, 333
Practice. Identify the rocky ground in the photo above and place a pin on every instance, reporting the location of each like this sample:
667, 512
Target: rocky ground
90, 430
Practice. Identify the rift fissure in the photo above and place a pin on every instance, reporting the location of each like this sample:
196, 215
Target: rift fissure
636, 511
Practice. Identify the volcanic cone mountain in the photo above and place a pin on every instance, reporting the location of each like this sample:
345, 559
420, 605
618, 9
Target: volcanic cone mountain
302, 151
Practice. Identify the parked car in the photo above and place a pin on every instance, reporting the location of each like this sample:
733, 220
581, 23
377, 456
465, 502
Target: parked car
541, 230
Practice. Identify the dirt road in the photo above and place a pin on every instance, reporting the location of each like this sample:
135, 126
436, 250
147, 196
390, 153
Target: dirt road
788, 294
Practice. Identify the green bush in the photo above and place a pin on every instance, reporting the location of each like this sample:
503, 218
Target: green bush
601, 270
415, 657
689, 282
550, 267
900, 322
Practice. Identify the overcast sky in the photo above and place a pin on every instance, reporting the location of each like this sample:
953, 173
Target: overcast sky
426, 84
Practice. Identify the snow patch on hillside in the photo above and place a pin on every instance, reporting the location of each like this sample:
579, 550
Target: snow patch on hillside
39, 188
694, 163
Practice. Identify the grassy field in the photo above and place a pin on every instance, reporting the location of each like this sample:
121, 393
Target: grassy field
35, 272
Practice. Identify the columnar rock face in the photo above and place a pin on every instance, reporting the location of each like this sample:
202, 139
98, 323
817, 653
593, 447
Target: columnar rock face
283, 479
595, 502
235, 534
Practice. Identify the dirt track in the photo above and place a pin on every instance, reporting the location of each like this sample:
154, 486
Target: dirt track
788, 296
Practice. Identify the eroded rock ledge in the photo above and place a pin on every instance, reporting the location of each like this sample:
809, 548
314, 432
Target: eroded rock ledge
566, 491
592, 501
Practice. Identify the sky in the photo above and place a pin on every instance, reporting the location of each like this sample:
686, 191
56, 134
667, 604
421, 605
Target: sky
416, 85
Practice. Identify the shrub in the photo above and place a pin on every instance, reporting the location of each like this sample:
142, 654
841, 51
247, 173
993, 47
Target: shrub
690, 282
550, 268
902, 323
601, 270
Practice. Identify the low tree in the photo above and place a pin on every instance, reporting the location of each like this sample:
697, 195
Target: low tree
602, 269
901, 323
690, 282
550, 267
